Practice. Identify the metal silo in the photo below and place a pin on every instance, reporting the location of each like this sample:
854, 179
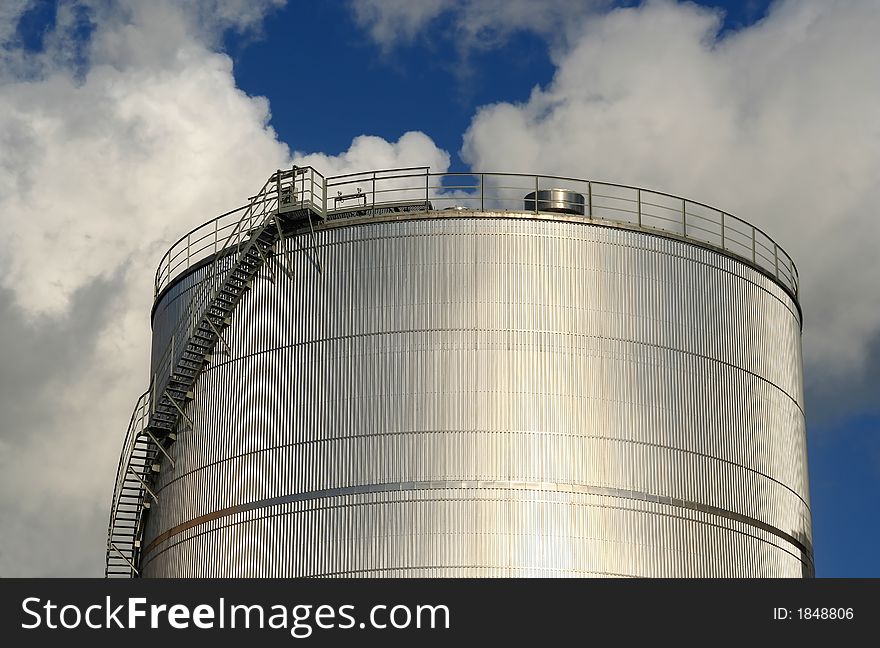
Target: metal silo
402, 373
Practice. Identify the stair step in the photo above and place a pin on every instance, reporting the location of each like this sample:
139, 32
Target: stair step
219, 301
188, 366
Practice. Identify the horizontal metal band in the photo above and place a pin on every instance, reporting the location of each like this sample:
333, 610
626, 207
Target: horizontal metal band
806, 551
570, 486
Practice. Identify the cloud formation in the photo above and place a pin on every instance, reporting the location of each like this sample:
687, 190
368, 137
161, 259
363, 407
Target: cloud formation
776, 123
113, 144
472, 24
369, 152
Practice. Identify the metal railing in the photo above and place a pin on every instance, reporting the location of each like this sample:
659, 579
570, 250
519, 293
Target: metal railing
221, 241
376, 193
302, 187
126, 508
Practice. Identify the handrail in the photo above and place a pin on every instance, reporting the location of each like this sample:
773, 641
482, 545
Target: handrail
235, 234
637, 207
209, 238
136, 429
393, 170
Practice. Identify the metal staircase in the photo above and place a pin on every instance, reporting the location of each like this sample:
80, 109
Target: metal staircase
288, 198
128, 494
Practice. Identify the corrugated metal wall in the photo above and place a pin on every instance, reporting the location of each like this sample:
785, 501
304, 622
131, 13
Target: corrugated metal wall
493, 397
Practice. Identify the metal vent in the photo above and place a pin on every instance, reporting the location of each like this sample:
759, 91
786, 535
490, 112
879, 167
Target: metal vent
561, 201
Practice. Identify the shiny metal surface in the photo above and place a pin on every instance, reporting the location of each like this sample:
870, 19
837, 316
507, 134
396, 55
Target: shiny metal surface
492, 395
555, 200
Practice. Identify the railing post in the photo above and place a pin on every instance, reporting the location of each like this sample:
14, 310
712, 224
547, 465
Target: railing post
639, 205
215, 237
684, 227
589, 199
427, 177
278, 191
776, 258
373, 208
187, 251
169, 359
482, 192
536, 194
722, 232
754, 251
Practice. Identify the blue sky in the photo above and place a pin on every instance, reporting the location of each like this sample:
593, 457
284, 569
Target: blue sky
766, 110
424, 84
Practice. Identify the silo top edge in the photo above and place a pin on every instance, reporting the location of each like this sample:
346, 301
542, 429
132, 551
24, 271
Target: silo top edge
378, 195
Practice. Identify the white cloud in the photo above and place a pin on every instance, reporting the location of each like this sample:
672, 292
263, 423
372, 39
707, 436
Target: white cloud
112, 148
369, 152
10, 13
110, 168
391, 21
777, 123
472, 23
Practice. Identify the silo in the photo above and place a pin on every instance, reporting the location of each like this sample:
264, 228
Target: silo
405, 373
